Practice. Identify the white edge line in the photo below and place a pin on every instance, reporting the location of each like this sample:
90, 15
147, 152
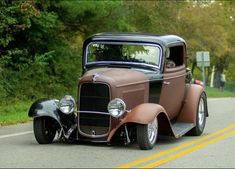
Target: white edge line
15, 134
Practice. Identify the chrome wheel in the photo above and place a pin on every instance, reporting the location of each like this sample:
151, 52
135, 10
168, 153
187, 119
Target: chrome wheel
201, 114
200, 117
147, 135
152, 131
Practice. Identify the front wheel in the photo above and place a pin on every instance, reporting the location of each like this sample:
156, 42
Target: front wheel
147, 135
201, 116
44, 130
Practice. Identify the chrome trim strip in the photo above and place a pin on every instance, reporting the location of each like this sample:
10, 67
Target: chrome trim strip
94, 112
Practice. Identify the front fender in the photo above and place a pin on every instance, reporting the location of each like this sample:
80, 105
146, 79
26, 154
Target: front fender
45, 107
141, 114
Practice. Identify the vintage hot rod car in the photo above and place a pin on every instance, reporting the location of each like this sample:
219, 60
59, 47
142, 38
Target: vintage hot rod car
133, 88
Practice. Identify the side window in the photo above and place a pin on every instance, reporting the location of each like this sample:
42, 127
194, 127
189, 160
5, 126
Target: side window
175, 56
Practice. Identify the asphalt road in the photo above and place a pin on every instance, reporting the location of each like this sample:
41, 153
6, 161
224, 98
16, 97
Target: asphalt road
214, 149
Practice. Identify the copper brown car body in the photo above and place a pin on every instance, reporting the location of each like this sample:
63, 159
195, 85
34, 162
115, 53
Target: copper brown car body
150, 96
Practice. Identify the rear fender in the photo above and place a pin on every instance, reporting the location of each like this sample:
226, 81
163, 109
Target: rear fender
141, 114
189, 110
45, 108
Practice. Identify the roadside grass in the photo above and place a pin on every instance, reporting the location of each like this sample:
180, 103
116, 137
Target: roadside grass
215, 92
230, 85
13, 112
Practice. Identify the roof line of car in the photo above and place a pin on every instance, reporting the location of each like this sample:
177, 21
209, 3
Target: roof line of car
137, 37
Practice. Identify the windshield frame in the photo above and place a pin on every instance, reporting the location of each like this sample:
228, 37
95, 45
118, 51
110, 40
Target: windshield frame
131, 64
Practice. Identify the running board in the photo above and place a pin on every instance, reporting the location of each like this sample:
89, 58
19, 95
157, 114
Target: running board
180, 128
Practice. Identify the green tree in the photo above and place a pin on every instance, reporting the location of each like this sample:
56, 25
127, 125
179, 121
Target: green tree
30, 46
41, 41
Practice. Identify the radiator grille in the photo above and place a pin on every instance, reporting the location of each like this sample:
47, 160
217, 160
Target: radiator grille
94, 98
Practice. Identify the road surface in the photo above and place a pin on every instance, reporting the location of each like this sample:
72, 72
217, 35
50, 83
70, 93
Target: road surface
214, 149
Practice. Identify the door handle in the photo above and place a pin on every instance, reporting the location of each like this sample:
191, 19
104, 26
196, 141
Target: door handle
166, 83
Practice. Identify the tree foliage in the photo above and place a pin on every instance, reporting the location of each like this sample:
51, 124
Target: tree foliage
32, 51
41, 41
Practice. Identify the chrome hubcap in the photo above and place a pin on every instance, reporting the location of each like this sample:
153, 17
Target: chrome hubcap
201, 114
152, 131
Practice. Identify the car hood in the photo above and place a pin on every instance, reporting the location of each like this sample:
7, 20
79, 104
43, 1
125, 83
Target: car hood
117, 77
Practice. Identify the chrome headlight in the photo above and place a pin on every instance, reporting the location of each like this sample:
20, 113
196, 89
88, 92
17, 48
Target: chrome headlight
67, 104
116, 107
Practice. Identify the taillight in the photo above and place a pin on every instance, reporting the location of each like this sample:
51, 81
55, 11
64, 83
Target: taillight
199, 82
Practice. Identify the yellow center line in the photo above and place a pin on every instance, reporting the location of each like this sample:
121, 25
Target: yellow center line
186, 144
189, 150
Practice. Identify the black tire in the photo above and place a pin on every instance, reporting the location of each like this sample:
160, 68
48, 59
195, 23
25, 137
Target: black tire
44, 130
147, 135
201, 116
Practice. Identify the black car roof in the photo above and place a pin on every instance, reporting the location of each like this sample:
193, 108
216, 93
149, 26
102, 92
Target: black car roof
136, 37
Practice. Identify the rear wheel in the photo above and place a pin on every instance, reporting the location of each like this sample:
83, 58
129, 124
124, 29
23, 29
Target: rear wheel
44, 130
201, 117
147, 135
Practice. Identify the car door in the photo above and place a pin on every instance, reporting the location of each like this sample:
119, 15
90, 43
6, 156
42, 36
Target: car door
173, 86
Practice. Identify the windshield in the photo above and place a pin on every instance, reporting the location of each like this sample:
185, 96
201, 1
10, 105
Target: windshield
123, 52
